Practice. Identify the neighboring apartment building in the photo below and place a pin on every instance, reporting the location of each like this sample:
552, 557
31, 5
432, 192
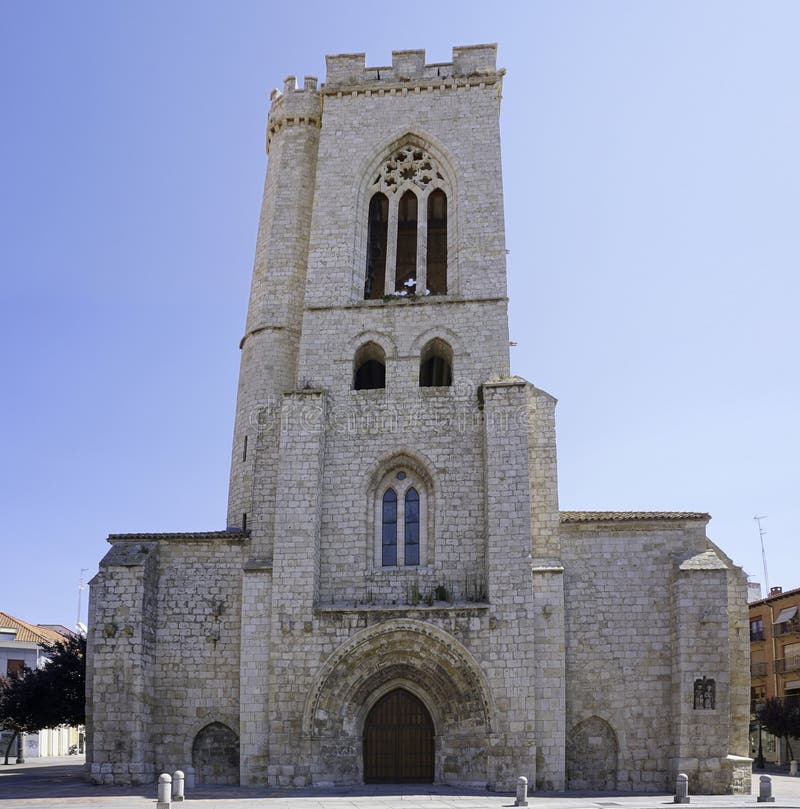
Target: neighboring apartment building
19, 649
774, 660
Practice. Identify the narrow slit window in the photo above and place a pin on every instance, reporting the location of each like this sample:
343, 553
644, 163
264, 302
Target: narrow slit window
406, 266
437, 243
411, 535
389, 529
376, 247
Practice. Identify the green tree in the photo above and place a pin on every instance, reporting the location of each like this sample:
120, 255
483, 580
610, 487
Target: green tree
48, 697
781, 717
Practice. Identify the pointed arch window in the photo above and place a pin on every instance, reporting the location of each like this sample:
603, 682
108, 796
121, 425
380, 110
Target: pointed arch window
407, 227
401, 511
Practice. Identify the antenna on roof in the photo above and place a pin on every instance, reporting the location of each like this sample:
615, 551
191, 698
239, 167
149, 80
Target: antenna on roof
761, 533
81, 588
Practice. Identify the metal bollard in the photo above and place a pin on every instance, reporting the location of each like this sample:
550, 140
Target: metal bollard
177, 786
765, 790
522, 791
164, 791
792, 767
682, 788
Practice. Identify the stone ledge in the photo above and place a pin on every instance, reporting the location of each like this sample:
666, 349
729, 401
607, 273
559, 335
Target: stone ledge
456, 606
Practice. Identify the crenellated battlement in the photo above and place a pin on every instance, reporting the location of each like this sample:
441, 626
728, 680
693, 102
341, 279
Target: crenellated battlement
471, 64
295, 105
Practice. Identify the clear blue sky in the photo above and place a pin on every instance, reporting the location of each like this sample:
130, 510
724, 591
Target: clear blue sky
652, 178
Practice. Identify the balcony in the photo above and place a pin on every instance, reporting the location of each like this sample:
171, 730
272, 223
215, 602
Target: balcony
785, 666
758, 669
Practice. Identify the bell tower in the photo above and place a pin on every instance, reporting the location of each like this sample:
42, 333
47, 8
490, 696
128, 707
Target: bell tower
381, 454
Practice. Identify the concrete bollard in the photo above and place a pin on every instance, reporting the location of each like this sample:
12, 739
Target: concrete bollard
177, 786
682, 788
792, 767
522, 791
189, 778
164, 791
765, 790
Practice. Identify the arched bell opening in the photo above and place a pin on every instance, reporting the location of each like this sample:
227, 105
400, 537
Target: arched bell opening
369, 368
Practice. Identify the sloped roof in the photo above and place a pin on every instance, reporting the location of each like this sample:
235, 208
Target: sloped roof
234, 533
630, 516
29, 633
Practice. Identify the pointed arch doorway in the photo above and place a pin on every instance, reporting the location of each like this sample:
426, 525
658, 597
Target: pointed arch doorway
398, 740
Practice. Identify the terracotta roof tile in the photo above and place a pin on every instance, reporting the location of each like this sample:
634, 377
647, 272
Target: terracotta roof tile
29, 633
630, 516
187, 535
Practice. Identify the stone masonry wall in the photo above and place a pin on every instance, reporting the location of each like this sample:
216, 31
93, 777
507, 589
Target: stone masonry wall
548, 592
254, 677
198, 645
511, 664
619, 653
121, 675
705, 729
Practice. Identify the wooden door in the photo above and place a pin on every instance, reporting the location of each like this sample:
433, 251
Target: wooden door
398, 741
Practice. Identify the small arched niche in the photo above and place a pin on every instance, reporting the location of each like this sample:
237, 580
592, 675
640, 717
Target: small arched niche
592, 751
215, 755
436, 365
369, 367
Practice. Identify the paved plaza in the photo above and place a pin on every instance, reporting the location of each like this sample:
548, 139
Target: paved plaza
54, 783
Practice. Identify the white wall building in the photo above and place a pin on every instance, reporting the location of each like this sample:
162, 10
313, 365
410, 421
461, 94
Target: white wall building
19, 649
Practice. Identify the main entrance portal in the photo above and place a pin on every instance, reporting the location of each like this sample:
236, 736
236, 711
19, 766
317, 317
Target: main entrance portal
398, 741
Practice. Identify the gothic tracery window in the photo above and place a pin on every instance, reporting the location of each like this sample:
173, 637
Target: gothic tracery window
401, 520
407, 227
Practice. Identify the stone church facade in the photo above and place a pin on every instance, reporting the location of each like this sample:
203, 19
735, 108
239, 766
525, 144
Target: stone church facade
397, 596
